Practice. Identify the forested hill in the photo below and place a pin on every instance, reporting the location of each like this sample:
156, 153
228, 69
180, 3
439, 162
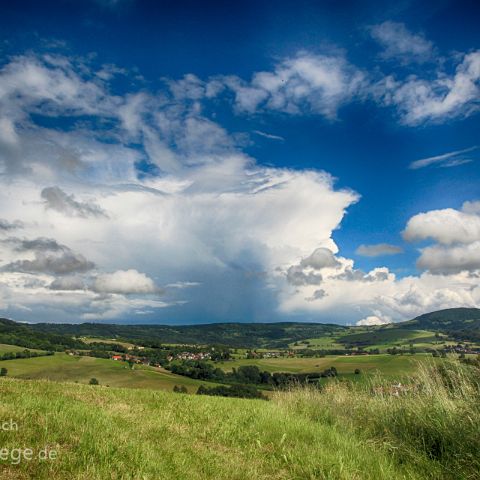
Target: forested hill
250, 335
461, 323
24, 335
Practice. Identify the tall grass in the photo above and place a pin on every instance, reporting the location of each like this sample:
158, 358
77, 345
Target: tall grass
105, 433
432, 423
345, 432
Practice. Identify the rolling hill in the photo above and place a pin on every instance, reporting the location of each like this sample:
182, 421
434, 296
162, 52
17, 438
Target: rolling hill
459, 323
247, 335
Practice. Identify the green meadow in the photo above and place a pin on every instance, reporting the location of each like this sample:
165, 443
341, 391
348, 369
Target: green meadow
65, 368
4, 348
347, 431
112, 341
62, 367
387, 365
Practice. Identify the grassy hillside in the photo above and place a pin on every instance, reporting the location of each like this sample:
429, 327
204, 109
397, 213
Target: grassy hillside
461, 323
65, 368
386, 337
4, 348
388, 365
346, 432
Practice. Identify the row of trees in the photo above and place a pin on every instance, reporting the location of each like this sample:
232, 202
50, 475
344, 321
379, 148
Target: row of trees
24, 354
241, 391
247, 374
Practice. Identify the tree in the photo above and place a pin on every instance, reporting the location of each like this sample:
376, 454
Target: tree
93, 381
202, 390
180, 389
3, 372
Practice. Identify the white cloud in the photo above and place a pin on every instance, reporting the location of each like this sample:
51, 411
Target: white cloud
451, 259
378, 250
374, 320
208, 216
450, 159
211, 212
439, 99
450, 278
397, 298
447, 226
8, 135
124, 282
399, 43
457, 237
315, 83
269, 135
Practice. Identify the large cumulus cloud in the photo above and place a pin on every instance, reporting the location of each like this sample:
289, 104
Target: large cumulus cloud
456, 234
106, 224
143, 189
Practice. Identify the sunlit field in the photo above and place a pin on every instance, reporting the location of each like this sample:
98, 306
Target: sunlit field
430, 431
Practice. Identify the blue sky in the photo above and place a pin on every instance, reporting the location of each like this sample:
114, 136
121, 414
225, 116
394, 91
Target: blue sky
187, 162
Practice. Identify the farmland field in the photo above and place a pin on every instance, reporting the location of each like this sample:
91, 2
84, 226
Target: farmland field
64, 368
388, 337
4, 348
388, 365
113, 341
381, 339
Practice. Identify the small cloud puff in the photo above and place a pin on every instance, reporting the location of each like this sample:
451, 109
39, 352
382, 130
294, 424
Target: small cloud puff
125, 282
374, 320
399, 43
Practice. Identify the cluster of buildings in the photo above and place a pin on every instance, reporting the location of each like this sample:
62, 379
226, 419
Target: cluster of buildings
130, 358
190, 356
181, 356
254, 354
465, 349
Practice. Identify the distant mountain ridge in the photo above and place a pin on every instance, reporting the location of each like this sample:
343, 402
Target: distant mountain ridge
459, 323
250, 335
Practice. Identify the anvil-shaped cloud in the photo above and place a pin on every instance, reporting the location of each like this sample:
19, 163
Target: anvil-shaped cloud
119, 196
